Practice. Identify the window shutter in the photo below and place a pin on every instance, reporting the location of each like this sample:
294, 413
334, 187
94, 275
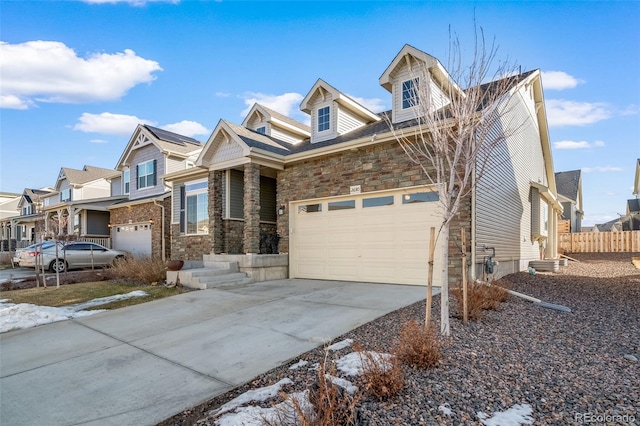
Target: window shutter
182, 203
155, 172
137, 174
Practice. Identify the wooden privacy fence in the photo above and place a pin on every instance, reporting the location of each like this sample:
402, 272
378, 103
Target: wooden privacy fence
599, 242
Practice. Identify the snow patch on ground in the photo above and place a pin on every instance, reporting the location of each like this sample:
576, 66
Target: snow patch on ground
519, 414
340, 345
343, 383
253, 395
351, 364
25, 315
445, 409
299, 364
283, 413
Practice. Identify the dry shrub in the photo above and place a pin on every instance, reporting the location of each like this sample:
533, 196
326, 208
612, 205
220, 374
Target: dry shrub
139, 269
480, 297
382, 377
419, 346
330, 405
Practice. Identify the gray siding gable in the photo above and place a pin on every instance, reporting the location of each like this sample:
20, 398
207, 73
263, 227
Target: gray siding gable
142, 155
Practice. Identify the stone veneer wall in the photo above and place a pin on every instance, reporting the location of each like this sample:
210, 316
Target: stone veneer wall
142, 213
376, 167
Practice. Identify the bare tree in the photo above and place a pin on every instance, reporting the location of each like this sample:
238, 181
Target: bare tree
457, 125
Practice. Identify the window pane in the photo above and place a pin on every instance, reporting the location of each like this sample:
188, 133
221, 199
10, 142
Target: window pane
323, 119
378, 201
410, 93
342, 205
420, 197
192, 214
310, 208
195, 186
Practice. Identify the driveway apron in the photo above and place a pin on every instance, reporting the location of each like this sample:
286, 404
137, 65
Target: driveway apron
142, 364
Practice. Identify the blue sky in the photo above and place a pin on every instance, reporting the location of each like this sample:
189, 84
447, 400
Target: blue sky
77, 76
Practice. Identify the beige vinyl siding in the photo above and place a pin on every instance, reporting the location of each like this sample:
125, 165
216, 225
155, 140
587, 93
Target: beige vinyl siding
97, 189
175, 164
347, 121
438, 97
285, 136
116, 186
399, 114
503, 206
226, 151
175, 202
316, 103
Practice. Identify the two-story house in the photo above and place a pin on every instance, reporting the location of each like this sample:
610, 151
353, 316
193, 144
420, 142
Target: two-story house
349, 203
78, 205
569, 185
19, 229
140, 222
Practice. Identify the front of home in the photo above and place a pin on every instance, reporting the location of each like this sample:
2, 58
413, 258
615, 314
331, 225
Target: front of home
341, 199
139, 223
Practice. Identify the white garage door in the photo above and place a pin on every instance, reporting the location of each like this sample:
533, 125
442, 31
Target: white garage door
380, 237
135, 238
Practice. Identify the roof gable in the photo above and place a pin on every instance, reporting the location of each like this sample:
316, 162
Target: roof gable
164, 140
262, 113
569, 184
323, 90
80, 177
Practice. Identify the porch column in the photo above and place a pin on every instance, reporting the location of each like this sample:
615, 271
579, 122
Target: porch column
215, 211
251, 208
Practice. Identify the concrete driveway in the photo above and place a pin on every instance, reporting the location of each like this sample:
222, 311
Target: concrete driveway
141, 364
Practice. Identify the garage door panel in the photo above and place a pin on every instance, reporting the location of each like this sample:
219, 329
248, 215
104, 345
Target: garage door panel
386, 244
135, 239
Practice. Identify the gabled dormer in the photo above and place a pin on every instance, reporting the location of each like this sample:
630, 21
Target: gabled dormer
417, 81
333, 113
271, 123
90, 182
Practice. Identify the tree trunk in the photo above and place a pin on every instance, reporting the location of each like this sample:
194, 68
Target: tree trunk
444, 294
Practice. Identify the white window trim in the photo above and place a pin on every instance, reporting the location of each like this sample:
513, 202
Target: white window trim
417, 94
140, 188
186, 196
318, 119
124, 181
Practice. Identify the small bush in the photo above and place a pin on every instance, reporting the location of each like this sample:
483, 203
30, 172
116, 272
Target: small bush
330, 405
419, 346
139, 269
382, 377
480, 297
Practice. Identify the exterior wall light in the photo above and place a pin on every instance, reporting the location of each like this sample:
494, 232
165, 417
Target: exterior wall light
281, 210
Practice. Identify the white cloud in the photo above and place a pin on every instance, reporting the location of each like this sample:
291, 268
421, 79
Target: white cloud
577, 144
630, 110
131, 2
187, 128
108, 123
611, 194
98, 141
372, 104
601, 169
559, 80
49, 71
281, 103
561, 112
14, 102
223, 94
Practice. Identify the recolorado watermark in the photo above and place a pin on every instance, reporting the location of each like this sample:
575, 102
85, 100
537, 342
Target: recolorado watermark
586, 418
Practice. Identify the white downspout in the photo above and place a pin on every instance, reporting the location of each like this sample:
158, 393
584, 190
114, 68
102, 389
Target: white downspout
155, 203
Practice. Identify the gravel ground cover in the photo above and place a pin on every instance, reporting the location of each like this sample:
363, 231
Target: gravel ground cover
570, 368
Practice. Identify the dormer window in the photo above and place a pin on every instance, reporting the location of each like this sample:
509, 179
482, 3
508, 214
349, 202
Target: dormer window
410, 96
65, 195
324, 119
262, 130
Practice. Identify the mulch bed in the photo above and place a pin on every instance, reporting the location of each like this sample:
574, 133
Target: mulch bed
561, 364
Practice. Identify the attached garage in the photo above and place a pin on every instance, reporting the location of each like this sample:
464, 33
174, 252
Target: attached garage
135, 238
378, 237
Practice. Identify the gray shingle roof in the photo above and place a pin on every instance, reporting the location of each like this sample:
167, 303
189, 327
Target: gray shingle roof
173, 141
633, 205
286, 119
88, 174
568, 184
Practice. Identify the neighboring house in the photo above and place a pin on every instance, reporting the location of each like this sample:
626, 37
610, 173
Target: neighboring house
78, 205
588, 229
611, 226
8, 208
19, 230
140, 223
569, 185
631, 220
348, 204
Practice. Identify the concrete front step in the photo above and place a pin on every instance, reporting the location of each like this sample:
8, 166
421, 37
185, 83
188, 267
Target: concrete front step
204, 278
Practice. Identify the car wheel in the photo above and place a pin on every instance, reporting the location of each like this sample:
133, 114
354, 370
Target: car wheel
118, 259
58, 265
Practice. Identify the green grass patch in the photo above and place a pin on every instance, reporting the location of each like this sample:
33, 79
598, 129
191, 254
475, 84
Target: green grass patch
83, 292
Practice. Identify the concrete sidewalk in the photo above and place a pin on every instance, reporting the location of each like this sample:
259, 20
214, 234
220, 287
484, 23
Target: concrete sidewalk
142, 364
